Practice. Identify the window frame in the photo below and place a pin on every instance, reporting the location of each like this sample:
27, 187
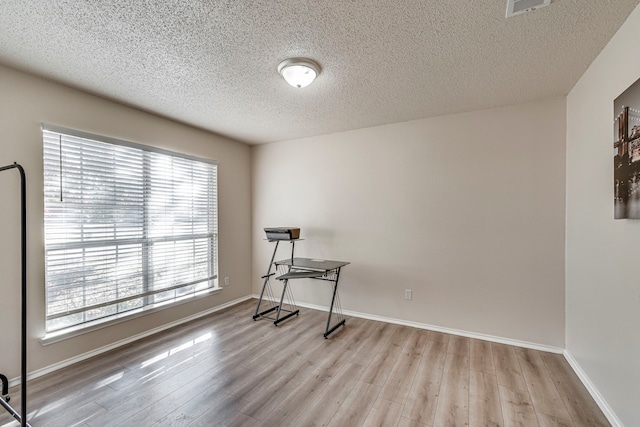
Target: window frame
148, 295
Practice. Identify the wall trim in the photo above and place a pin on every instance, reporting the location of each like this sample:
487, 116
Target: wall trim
593, 391
484, 337
63, 364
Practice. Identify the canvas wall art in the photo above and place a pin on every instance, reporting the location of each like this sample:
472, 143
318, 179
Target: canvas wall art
626, 153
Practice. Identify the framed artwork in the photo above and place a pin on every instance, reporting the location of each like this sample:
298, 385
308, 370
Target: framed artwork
626, 153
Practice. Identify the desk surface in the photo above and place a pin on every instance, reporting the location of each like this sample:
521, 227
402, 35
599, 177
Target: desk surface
313, 263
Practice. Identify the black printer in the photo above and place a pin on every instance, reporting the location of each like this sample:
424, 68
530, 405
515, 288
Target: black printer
282, 233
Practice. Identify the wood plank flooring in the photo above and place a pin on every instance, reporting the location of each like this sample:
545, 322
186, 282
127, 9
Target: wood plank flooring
227, 370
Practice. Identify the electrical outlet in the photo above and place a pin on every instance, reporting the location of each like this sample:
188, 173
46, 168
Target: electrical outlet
226, 281
407, 294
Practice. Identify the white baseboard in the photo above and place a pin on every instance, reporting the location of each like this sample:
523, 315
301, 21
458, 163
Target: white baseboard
593, 391
51, 368
484, 337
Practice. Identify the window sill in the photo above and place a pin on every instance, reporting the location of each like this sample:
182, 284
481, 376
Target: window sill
88, 327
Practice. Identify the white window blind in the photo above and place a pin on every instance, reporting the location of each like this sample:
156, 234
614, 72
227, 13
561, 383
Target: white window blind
126, 227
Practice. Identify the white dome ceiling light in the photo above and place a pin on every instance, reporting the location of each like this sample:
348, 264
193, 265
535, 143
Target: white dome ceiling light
299, 72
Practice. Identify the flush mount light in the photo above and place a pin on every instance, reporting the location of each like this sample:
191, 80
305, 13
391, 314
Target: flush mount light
299, 72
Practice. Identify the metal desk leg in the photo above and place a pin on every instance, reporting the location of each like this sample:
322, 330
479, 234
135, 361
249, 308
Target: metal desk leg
269, 310
327, 331
265, 284
292, 313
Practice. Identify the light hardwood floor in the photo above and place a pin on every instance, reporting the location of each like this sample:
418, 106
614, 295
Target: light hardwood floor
226, 369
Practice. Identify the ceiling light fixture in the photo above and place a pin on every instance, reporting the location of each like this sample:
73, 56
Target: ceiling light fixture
299, 72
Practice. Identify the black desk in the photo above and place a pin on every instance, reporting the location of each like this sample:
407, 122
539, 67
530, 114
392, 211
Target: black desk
307, 268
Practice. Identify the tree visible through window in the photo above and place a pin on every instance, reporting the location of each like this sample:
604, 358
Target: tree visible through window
126, 227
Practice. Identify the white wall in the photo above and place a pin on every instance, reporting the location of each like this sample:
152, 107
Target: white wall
602, 254
26, 102
466, 210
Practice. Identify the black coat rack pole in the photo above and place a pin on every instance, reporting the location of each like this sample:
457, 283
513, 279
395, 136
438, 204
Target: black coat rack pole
23, 222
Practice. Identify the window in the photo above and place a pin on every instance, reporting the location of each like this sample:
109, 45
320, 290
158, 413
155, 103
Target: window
127, 227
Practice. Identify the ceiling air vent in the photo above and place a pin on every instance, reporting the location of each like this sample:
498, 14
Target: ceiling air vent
516, 7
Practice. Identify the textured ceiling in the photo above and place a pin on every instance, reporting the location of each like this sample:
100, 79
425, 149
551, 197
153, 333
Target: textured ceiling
213, 64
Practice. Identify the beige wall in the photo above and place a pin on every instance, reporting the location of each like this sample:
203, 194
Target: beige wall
603, 281
466, 210
26, 102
